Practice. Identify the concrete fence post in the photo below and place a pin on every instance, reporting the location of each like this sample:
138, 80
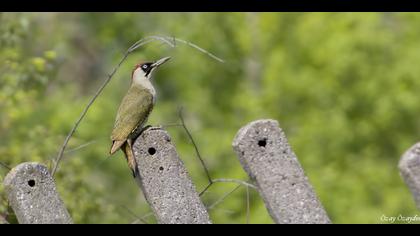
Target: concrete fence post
32, 194
266, 156
409, 166
165, 181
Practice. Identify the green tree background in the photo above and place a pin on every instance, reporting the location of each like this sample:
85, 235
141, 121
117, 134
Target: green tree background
344, 87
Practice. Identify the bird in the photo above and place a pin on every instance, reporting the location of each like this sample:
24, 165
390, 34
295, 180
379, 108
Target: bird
134, 110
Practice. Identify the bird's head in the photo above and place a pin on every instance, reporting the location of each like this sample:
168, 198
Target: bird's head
144, 70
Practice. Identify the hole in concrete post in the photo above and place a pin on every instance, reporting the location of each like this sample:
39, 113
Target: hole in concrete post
262, 142
31, 183
152, 151
161, 168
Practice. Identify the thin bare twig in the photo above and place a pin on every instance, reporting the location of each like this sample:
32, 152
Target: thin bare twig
135, 215
199, 49
80, 147
206, 188
241, 182
144, 217
203, 164
5, 166
195, 145
135, 46
223, 197
212, 181
147, 40
172, 42
220, 200
234, 181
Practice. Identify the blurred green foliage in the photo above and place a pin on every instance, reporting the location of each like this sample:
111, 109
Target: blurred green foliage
344, 87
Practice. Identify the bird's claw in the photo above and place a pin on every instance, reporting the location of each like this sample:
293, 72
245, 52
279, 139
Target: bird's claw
135, 172
138, 132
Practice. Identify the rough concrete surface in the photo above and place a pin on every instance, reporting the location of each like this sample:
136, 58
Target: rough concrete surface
409, 166
32, 194
267, 157
165, 181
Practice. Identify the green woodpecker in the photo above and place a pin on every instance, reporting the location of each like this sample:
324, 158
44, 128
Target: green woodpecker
134, 110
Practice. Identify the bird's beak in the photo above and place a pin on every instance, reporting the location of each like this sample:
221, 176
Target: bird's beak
160, 62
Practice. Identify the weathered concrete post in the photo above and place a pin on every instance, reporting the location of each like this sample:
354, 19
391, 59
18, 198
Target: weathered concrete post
32, 194
266, 156
165, 181
409, 166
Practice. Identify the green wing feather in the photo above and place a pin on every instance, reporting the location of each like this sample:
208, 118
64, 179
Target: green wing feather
133, 112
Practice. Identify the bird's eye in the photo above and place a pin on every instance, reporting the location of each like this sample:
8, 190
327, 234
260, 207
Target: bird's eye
144, 66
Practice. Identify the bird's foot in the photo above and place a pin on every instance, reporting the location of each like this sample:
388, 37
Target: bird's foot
135, 171
138, 132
